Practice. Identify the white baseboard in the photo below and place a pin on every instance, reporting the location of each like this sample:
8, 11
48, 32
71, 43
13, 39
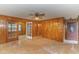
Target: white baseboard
71, 41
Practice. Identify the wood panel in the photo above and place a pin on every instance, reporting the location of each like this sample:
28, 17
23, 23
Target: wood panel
12, 33
23, 28
39, 29
53, 29
34, 29
5, 36
3, 31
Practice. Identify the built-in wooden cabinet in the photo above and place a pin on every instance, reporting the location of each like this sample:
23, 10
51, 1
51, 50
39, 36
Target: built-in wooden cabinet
12, 33
8, 31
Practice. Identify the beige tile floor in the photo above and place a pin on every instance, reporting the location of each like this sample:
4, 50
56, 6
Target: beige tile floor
37, 45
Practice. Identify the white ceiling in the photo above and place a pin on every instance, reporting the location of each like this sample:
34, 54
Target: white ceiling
51, 10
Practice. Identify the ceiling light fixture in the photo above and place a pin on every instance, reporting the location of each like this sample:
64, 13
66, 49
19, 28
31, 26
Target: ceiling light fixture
36, 18
37, 15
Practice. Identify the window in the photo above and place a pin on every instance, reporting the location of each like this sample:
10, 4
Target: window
29, 28
9, 27
12, 27
19, 27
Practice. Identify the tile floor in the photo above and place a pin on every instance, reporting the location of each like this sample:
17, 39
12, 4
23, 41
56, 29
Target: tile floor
37, 45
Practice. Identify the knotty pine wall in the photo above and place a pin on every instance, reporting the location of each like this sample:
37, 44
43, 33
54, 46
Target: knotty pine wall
36, 28
3, 31
17, 21
4, 28
53, 29
23, 31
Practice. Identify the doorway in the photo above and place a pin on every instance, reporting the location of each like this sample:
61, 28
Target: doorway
71, 35
29, 30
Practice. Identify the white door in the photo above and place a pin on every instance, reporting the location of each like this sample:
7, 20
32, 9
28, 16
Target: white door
29, 30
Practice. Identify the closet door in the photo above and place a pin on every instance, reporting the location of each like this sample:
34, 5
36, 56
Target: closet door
3, 31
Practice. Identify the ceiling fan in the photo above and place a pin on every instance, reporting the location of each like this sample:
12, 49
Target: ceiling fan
37, 15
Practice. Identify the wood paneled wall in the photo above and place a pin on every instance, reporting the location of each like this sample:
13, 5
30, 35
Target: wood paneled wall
23, 31
3, 31
34, 28
16, 20
4, 27
53, 29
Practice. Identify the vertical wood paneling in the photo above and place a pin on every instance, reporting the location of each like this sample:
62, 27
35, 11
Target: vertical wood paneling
53, 29
3, 31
